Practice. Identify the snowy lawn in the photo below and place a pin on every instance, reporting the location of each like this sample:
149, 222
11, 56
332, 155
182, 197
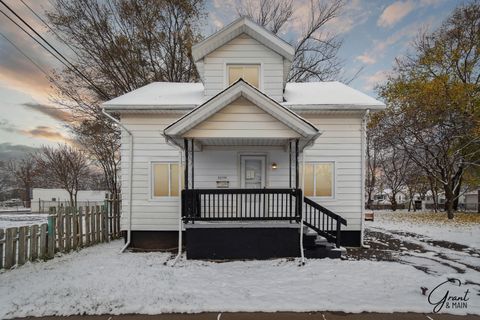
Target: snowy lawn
21, 219
99, 280
463, 229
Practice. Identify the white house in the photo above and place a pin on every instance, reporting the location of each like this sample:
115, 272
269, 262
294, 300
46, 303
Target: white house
223, 159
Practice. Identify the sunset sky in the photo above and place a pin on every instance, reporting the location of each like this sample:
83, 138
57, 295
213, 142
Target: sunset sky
374, 32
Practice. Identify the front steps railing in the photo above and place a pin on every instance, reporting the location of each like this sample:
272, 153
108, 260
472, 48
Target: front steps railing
323, 221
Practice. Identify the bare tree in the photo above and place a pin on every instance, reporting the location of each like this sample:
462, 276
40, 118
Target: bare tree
103, 141
119, 46
65, 166
272, 14
24, 173
394, 167
316, 51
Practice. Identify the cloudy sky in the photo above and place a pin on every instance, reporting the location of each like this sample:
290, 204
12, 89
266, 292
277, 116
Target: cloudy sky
374, 32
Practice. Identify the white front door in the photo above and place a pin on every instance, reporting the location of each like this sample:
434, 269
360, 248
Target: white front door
252, 172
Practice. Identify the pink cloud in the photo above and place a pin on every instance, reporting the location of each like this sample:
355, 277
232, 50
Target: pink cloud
395, 12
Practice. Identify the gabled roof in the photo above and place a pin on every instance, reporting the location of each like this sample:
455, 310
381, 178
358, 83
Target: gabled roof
239, 26
240, 88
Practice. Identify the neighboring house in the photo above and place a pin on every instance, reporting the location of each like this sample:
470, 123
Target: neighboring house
472, 201
43, 199
223, 159
384, 197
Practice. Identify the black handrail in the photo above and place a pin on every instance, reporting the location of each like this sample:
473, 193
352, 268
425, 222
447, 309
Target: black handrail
241, 204
323, 221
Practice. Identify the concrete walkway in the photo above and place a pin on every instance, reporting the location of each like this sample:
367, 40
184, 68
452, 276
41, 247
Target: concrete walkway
276, 316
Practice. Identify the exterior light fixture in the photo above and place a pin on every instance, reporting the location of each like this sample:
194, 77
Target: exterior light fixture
274, 166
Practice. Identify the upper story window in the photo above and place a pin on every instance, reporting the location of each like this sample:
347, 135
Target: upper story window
248, 72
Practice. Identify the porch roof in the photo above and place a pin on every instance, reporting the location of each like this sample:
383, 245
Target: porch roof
286, 125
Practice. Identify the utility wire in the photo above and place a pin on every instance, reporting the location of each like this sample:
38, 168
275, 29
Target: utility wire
26, 56
71, 66
48, 26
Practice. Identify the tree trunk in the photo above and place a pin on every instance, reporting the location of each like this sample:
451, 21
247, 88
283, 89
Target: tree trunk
27, 196
393, 201
456, 193
449, 202
70, 193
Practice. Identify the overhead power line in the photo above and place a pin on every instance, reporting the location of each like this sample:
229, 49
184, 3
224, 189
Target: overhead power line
48, 26
26, 56
65, 61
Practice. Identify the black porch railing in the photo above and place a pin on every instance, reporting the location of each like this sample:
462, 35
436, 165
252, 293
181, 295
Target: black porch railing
241, 204
260, 205
323, 221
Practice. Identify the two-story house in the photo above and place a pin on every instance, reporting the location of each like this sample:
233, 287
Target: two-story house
243, 164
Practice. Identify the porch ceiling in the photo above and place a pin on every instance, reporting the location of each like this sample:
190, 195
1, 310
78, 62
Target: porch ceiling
242, 142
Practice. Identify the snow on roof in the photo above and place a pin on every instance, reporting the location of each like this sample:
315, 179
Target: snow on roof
334, 94
161, 94
326, 93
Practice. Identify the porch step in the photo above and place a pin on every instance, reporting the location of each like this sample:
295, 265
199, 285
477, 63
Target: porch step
317, 247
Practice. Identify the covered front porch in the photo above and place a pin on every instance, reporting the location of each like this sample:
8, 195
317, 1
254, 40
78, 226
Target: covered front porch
242, 195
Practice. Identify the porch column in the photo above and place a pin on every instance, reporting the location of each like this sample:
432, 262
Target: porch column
290, 164
297, 174
193, 162
185, 175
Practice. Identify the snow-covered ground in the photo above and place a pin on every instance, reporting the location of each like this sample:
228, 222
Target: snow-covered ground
464, 229
403, 257
99, 280
20, 219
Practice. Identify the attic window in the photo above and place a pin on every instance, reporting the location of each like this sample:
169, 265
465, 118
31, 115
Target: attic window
248, 72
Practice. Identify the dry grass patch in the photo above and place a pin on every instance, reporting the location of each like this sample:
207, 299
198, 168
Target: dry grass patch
439, 218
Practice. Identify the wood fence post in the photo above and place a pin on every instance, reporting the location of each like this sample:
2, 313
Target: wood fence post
68, 228
43, 241
74, 228
60, 233
10, 248
2, 244
87, 226
80, 226
33, 242
97, 222
51, 233
104, 223
22, 245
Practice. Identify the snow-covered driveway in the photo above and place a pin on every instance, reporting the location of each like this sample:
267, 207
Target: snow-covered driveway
99, 280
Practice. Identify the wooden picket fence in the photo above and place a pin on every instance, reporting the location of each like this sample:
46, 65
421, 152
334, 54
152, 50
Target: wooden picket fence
67, 229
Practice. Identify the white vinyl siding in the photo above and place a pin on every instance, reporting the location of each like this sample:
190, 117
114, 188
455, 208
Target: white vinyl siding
149, 147
340, 143
244, 50
241, 119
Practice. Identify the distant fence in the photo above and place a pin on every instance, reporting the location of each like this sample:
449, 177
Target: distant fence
387, 206
44, 205
67, 229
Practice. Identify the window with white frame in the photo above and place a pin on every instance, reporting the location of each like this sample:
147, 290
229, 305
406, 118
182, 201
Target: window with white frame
248, 72
165, 179
319, 179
